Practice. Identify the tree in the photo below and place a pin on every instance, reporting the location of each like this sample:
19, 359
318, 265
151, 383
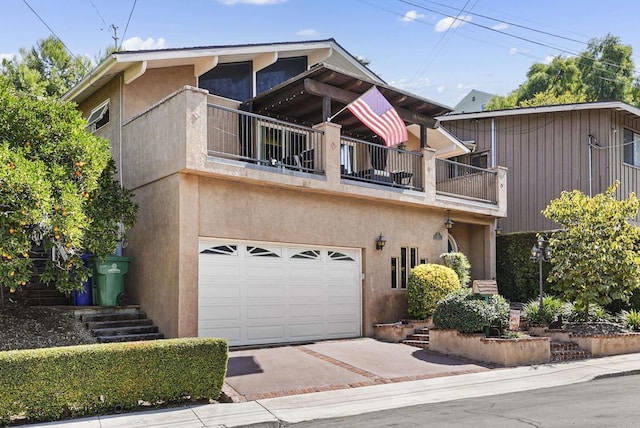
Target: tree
603, 72
46, 69
56, 189
595, 253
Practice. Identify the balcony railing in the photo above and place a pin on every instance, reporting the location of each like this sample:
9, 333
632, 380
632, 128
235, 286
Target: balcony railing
262, 140
387, 166
466, 181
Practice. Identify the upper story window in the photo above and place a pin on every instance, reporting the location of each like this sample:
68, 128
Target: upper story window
631, 147
278, 72
98, 117
232, 80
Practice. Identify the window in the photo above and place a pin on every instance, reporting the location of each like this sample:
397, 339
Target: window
232, 80
98, 117
631, 141
278, 72
400, 267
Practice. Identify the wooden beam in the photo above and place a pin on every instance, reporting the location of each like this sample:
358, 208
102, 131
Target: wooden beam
423, 136
326, 108
345, 97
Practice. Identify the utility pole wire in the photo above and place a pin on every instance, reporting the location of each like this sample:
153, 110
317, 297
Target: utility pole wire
128, 20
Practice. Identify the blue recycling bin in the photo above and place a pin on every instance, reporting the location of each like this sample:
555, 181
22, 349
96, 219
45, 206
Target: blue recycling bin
84, 297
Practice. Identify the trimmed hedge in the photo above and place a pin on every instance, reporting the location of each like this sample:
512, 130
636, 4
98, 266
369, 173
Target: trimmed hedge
427, 284
516, 273
470, 313
55, 383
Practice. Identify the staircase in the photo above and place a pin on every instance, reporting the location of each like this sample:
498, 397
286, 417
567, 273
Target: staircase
118, 324
567, 351
37, 293
419, 339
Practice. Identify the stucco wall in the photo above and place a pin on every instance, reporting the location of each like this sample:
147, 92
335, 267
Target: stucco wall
505, 352
154, 85
154, 242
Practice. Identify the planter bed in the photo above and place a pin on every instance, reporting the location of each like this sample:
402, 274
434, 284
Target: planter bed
504, 352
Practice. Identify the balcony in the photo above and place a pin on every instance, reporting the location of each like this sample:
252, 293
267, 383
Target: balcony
189, 133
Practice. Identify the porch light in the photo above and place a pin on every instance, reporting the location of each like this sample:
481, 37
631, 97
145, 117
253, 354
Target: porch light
380, 242
449, 223
498, 230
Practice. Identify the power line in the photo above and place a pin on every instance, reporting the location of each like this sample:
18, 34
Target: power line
54, 34
128, 20
558, 48
98, 12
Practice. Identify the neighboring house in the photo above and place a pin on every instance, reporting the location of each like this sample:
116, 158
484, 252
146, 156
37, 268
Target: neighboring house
474, 101
549, 149
259, 220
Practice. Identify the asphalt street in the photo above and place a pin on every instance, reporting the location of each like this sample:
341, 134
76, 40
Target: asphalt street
609, 402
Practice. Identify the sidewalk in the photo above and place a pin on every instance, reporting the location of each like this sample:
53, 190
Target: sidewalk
348, 402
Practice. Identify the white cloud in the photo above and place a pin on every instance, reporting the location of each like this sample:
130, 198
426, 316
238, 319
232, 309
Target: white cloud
450, 23
548, 59
516, 51
137, 44
411, 16
500, 26
256, 2
308, 32
441, 89
411, 84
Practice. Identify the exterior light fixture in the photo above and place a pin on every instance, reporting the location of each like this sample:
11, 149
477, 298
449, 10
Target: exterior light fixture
541, 252
449, 223
380, 242
498, 230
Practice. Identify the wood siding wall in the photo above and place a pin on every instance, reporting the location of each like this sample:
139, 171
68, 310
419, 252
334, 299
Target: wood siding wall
628, 175
547, 153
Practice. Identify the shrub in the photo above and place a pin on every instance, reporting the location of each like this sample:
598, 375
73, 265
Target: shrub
428, 283
460, 265
469, 313
553, 309
596, 314
631, 319
53, 383
516, 274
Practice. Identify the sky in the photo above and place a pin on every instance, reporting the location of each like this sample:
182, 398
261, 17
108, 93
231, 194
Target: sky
415, 45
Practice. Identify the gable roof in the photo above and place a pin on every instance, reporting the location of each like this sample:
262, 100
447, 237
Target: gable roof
204, 58
613, 105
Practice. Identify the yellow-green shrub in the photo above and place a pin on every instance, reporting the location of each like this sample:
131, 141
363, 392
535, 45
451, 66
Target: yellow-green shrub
429, 283
54, 383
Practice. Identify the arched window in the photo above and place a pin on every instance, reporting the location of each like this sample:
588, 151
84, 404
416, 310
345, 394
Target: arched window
452, 246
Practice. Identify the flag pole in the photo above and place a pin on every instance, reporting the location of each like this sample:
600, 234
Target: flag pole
339, 111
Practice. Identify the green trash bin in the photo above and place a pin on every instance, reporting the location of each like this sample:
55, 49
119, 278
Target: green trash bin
108, 279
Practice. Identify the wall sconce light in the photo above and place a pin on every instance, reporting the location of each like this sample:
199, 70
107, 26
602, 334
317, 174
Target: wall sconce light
498, 230
449, 223
380, 242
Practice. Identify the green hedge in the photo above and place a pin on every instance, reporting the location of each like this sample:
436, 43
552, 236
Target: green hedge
428, 283
516, 274
54, 383
471, 313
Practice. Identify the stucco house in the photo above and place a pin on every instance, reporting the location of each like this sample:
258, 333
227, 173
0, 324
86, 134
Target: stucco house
261, 221
548, 149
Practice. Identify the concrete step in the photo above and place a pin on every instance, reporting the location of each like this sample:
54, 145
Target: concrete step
417, 343
564, 346
115, 316
421, 331
124, 331
94, 325
130, 337
98, 310
47, 300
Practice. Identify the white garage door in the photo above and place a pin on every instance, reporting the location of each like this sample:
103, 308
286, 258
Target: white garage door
257, 293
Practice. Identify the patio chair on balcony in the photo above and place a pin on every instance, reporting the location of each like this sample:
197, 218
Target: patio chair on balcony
307, 160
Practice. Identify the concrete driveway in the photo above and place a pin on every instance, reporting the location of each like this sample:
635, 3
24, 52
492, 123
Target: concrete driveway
338, 364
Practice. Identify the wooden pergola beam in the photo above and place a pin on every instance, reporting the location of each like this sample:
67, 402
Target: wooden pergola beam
343, 96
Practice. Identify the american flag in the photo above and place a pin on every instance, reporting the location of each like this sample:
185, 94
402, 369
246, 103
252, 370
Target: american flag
374, 110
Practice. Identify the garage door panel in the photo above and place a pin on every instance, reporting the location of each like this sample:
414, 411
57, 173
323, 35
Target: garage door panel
218, 312
281, 293
265, 312
232, 334
265, 333
306, 331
